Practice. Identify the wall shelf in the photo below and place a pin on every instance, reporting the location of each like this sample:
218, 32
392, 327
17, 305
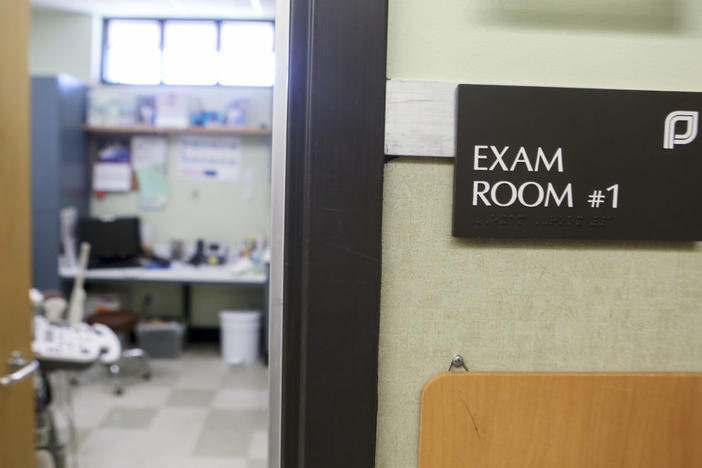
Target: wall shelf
151, 130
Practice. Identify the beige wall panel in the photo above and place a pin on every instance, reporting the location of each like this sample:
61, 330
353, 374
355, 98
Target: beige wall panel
516, 305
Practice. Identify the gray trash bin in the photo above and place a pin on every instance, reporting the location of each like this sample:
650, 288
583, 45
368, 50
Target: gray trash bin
160, 339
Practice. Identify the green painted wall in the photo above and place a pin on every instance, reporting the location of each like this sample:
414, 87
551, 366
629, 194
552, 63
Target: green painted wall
61, 42
518, 305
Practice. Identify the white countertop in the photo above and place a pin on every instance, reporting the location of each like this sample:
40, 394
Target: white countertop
234, 273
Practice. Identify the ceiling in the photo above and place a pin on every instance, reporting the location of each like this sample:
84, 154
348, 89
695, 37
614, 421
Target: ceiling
165, 8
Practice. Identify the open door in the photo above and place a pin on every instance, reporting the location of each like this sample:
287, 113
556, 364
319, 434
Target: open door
16, 398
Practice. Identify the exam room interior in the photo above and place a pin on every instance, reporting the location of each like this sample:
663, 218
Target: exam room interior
196, 410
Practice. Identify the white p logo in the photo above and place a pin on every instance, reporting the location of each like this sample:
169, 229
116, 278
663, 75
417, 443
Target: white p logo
670, 138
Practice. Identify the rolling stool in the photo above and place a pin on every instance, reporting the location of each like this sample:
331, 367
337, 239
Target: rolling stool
122, 322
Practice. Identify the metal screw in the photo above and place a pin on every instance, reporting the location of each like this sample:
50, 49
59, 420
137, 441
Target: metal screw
458, 361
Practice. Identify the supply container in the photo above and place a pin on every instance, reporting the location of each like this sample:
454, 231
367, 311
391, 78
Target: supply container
241, 331
160, 339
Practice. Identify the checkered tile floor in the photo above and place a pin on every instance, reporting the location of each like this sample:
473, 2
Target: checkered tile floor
195, 412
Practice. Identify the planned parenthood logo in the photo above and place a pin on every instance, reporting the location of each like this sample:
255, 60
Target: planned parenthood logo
671, 138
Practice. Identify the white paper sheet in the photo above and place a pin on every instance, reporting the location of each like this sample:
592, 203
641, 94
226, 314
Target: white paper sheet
209, 158
149, 150
112, 177
172, 110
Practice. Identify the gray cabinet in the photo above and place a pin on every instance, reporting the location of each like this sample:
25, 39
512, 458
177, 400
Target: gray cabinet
60, 167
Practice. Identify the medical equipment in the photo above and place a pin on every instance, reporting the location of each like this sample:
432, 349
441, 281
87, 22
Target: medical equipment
73, 347
76, 306
62, 347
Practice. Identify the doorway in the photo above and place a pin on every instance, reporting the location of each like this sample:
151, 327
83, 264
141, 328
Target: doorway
168, 134
323, 384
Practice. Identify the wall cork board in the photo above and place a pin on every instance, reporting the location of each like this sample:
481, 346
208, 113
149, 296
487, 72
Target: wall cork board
557, 420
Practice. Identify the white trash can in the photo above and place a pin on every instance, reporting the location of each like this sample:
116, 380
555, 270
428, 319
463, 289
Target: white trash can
240, 332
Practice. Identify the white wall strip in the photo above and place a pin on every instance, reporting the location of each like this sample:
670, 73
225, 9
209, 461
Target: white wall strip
278, 158
420, 118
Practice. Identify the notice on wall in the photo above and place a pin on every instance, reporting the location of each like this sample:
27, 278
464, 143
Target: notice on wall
149, 150
577, 163
112, 177
111, 170
149, 158
209, 158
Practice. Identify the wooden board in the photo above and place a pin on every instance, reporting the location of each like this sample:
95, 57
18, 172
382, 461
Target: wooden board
559, 420
420, 118
152, 130
16, 402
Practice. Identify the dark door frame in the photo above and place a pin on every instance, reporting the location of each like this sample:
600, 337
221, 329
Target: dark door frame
333, 208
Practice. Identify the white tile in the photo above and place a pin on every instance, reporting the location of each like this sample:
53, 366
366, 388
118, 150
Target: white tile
195, 380
171, 436
207, 373
201, 462
174, 431
257, 464
177, 436
253, 376
88, 416
258, 450
142, 396
93, 402
180, 419
198, 397
240, 399
227, 433
92, 393
129, 418
114, 443
162, 461
101, 461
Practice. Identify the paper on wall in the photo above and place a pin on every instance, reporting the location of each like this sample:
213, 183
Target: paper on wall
149, 150
172, 110
153, 187
149, 156
209, 158
112, 177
